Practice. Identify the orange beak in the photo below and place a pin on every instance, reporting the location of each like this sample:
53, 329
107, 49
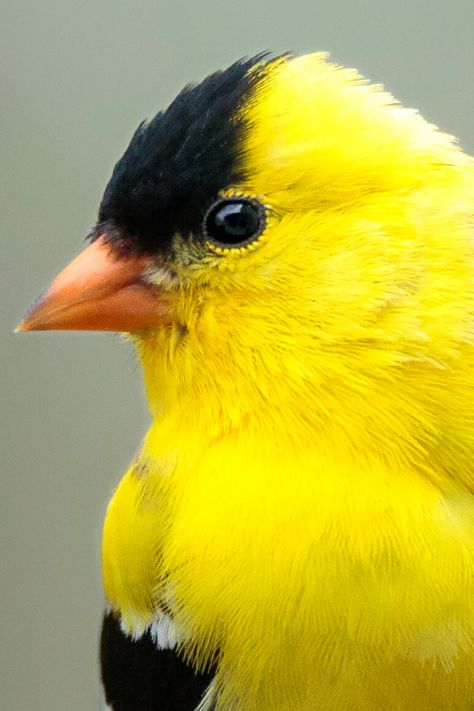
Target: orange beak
99, 291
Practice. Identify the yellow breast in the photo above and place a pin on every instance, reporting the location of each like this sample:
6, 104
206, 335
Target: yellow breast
315, 576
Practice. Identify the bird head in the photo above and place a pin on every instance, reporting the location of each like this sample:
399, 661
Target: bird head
285, 237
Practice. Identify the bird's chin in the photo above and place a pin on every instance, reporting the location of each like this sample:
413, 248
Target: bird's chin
101, 291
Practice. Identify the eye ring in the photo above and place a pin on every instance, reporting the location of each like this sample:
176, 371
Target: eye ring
234, 222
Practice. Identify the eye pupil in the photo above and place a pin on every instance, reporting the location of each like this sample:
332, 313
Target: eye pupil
238, 220
234, 221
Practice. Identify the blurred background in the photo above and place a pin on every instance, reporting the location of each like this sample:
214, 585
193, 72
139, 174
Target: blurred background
77, 78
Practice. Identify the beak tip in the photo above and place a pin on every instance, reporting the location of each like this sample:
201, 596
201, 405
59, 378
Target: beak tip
27, 323
23, 326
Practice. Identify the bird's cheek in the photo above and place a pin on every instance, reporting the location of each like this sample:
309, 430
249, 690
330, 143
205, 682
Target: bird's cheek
101, 291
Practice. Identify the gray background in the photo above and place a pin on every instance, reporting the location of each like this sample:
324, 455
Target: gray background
77, 77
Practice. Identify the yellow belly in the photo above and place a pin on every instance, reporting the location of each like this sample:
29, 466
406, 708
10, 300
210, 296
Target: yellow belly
323, 588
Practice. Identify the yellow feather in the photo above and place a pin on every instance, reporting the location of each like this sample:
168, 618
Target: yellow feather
304, 498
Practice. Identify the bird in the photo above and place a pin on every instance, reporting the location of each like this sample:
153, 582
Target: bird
291, 252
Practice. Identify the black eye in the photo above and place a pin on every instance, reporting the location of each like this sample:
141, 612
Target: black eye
235, 221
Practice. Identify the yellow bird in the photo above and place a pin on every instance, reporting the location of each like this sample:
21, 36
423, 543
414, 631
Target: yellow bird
292, 252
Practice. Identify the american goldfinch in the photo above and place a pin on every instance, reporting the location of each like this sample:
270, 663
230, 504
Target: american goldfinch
292, 253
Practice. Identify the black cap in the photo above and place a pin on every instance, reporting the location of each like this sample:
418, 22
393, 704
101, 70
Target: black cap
177, 163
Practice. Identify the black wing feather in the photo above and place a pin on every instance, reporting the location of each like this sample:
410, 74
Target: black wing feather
137, 676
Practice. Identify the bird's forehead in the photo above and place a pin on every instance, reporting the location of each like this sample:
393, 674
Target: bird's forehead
177, 163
